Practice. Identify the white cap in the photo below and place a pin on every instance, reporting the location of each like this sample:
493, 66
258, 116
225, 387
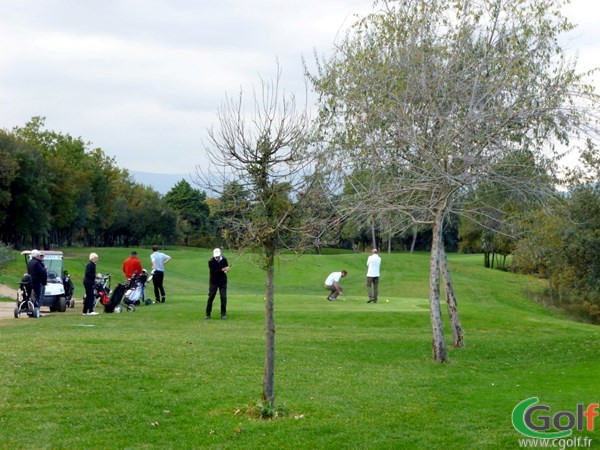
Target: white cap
35, 253
216, 252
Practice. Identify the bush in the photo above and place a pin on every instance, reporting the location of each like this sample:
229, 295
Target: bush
6, 254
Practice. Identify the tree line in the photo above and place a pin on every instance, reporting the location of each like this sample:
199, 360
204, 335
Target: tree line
57, 191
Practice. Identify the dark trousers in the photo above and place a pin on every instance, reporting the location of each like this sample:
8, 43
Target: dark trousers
373, 281
212, 292
157, 281
334, 292
38, 296
88, 301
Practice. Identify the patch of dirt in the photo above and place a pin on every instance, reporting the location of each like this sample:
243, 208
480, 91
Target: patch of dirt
8, 292
6, 307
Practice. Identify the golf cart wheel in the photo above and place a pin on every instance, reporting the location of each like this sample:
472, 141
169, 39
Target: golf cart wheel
62, 304
36, 313
148, 301
72, 304
16, 313
130, 308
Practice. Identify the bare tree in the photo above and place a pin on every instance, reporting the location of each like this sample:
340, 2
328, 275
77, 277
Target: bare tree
432, 95
265, 173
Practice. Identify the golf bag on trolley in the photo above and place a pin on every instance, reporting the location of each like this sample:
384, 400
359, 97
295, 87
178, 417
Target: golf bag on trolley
102, 289
135, 293
25, 300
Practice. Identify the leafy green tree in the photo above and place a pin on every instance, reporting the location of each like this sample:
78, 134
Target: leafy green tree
63, 158
191, 208
26, 216
582, 239
233, 206
6, 254
565, 247
429, 95
56, 189
8, 171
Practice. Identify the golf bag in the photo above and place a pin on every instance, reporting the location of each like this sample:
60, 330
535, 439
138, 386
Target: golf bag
113, 303
69, 288
136, 289
102, 289
25, 301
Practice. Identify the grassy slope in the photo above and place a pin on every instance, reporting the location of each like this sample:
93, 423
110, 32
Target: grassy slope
351, 375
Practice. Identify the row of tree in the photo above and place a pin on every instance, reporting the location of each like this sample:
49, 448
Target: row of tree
56, 190
565, 248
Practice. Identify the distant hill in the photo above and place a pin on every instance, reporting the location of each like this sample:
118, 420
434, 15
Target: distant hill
160, 182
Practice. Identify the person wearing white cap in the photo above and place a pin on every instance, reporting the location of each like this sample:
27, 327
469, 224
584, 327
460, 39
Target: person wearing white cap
218, 268
159, 260
373, 265
39, 277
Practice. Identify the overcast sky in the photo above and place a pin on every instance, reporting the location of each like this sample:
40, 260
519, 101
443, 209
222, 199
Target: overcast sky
142, 79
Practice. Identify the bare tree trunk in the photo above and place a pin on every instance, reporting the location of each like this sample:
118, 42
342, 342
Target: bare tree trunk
438, 347
457, 332
269, 373
414, 241
389, 249
373, 235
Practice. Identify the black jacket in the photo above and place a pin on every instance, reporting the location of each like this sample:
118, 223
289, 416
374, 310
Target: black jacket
217, 276
39, 276
90, 274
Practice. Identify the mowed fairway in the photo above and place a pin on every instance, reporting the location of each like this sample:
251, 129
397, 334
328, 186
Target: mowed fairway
349, 374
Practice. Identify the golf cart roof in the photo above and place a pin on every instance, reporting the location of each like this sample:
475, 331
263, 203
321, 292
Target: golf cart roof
45, 252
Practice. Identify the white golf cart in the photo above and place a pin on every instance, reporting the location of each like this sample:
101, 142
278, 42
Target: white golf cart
55, 297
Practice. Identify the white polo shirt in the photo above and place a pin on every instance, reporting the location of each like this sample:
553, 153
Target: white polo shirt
373, 264
332, 278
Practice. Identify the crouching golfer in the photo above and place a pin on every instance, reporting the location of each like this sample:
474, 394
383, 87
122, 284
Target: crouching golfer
218, 268
332, 283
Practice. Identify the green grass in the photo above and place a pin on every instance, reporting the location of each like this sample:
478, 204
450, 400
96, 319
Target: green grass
349, 374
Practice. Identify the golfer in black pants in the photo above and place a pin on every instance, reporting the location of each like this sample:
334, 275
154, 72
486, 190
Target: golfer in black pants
218, 268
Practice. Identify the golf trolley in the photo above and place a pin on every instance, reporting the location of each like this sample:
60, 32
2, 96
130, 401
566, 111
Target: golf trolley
108, 298
102, 289
135, 293
25, 304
